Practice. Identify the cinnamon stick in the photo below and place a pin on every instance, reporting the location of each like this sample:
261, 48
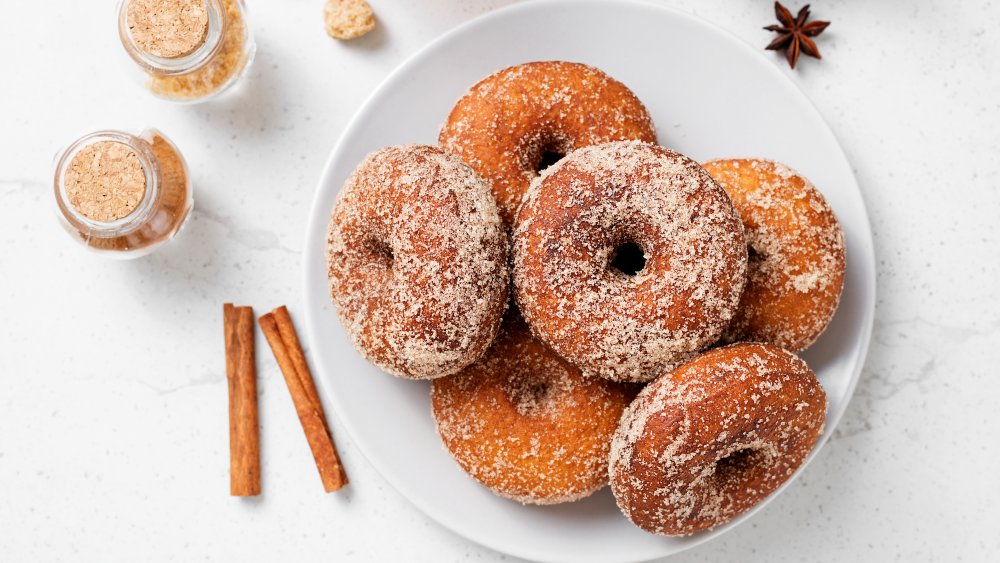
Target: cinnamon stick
241, 375
284, 342
287, 331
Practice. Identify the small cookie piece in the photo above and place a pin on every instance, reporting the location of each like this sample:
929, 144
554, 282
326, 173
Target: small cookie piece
348, 19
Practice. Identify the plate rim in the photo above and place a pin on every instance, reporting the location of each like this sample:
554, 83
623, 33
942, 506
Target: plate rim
867, 239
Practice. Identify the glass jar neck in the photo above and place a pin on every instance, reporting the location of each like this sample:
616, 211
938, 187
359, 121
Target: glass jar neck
142, 212
163, 66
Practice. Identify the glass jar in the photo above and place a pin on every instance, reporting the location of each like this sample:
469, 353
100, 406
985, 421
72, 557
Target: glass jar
122, 195
188, 50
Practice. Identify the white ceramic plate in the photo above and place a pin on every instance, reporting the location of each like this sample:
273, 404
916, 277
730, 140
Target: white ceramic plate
711, 96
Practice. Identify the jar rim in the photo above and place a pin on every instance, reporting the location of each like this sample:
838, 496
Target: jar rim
138, 216
177, 65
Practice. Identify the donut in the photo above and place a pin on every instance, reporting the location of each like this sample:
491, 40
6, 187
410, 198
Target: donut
796, 247
417, 262
628, 259
521, 119
706, 442
525, 423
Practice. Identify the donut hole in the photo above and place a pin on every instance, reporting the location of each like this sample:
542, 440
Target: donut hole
548, 158
381, 253
753, 254
529, 395
546, 149
628, 258
730, 469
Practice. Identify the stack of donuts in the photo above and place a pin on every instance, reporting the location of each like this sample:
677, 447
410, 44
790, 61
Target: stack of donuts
590, 306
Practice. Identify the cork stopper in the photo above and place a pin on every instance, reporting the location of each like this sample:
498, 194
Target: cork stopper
168, 28
105, 181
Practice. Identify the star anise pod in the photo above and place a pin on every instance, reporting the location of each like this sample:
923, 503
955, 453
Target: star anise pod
795, 33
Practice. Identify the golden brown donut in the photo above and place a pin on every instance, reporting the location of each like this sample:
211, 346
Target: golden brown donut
517, 121
628, 259
796, 270
417, 261
525, 423
706, 442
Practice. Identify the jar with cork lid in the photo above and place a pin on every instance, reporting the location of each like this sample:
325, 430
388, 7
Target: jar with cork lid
187, 50
120, 194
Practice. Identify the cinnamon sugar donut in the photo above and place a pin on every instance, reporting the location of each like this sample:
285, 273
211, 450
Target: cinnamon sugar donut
521, 119
525, 423
417, 261
628, 259
709, 440
796, 270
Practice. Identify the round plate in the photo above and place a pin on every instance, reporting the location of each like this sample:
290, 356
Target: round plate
710, 96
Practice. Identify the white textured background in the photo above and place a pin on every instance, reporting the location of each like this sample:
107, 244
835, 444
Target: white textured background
113, 432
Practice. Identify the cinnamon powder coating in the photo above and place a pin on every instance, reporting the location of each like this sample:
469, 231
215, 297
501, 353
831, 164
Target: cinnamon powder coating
797, 254
708, 441
505, 124
417, 262
525, 423
574, 219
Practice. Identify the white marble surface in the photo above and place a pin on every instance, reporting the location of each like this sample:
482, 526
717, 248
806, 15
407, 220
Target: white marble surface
113, 436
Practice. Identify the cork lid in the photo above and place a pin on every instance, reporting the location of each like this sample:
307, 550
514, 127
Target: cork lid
105, 181
168, 28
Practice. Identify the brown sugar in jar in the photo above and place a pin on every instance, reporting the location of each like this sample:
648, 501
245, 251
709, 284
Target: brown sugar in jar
122, 195
188, 50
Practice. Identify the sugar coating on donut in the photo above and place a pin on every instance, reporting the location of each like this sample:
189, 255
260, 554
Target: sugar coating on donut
525, 423
797, 257
417, 261
579, 213
708, 441
506, 124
